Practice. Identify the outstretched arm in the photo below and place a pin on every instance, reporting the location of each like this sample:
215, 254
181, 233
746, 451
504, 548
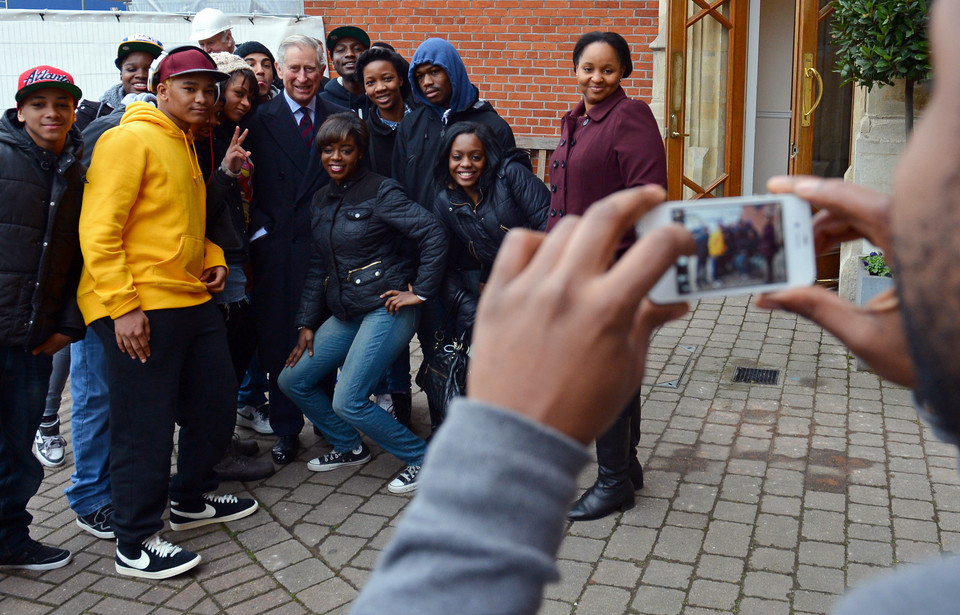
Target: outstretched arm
483, 532
873, 331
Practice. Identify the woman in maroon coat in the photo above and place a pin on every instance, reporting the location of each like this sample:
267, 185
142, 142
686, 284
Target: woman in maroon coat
608, 142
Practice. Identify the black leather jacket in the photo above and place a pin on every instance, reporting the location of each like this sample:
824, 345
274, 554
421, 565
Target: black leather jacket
359, 231
40, 258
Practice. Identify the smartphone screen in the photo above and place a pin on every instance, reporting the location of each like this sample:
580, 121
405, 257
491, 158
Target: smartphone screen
736, 245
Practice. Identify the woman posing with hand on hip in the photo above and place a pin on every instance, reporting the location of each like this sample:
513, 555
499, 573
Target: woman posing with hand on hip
608, 142
361, 301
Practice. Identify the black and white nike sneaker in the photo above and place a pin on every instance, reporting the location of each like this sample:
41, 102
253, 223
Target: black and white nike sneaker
154, 559
212, 508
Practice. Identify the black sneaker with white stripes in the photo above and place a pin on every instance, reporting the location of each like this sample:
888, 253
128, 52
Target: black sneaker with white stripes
212, 508
99, 522
406, 481
334, 460
154, 559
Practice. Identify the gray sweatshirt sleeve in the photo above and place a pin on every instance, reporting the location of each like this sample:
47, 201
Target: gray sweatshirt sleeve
482, 534
928, 588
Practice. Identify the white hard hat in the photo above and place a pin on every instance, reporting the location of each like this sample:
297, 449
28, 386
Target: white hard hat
208, 23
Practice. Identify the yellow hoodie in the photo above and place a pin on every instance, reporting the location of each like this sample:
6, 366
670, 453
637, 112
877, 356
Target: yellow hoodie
143, 220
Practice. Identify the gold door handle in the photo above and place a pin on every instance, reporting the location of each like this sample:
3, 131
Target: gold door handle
674, 133
808, 72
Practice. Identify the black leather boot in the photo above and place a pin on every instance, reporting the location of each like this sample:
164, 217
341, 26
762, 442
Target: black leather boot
636, 470
618, 465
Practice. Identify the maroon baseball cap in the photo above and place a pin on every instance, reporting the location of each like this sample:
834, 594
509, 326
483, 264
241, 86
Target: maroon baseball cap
46, 77
185, 60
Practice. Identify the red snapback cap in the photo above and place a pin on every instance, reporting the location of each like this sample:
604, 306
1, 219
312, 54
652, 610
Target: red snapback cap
184, 60
40, 77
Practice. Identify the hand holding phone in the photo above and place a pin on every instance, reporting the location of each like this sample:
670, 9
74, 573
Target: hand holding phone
744, 245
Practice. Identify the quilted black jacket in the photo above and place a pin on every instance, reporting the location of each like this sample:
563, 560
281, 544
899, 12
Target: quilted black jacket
513, 197
40, 262
359, 232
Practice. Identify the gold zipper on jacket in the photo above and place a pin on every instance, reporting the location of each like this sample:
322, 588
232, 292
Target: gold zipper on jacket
352, 271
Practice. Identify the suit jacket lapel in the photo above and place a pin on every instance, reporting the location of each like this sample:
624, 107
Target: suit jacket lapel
314, 176
281, 126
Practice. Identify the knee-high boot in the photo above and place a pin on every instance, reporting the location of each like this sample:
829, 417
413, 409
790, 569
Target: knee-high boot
619, 472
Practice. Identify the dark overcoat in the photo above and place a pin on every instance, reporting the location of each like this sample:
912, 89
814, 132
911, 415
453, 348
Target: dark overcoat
286, 175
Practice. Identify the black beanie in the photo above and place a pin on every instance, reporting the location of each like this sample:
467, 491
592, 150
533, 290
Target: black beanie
245, 49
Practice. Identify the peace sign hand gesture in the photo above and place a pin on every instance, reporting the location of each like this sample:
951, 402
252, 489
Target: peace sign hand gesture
235, 157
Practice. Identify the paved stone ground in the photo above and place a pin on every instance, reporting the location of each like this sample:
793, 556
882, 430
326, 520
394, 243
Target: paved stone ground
758, 500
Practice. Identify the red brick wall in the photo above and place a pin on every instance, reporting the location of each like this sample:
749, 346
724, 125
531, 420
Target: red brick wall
518, 52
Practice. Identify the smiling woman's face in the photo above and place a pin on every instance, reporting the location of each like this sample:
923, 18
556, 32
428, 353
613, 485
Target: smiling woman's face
598, 72
467, 160
340, 159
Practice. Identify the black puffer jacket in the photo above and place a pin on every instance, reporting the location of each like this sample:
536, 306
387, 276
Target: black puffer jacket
40, 259
418, 143
514, 197
359, 228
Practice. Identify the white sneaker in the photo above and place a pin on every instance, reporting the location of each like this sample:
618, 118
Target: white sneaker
256, 419
49, 449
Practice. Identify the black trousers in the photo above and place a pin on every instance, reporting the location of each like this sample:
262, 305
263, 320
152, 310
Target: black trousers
241, 334
188, 380
24, 379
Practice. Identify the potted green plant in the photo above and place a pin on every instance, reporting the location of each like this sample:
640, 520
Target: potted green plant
880, 41
874, 277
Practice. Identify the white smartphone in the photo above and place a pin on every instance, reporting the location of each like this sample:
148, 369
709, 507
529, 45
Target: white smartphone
745, 245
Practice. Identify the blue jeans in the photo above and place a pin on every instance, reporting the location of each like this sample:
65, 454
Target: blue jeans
90, 427
365, 346
24, 379
253, 389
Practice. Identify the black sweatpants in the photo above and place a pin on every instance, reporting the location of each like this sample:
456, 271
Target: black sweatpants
188, 380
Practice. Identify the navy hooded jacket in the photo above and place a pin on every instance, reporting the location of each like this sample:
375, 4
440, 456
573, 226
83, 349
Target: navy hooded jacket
421, 131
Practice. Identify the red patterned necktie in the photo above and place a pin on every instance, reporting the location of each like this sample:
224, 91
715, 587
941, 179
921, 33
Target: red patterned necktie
306, 126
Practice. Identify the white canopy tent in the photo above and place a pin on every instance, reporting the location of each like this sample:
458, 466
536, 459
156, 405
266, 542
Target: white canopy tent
269, 7
84, 43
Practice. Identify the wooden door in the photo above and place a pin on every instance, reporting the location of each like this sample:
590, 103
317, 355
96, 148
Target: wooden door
706, 68
820, 126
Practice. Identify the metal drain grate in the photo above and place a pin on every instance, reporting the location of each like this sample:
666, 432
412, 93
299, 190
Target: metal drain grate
752, 375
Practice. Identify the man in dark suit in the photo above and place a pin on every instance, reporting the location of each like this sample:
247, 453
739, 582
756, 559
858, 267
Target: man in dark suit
287, 173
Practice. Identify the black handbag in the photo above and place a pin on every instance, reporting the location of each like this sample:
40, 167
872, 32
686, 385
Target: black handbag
444, 376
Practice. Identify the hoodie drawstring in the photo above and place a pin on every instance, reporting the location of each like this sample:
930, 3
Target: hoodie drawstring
194, 162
